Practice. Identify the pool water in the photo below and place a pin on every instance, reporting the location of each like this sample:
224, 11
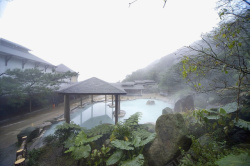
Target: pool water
100, 113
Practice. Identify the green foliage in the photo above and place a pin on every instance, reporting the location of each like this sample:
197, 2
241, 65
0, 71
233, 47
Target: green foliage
242, 159
133, 119
79, 146
115, 157
79, 152
30, 84
99, 157
49, 139
64, 131
242, 124
33, 156
123, 130
129, 140
100, 129
136, 161
123, 145
202, 153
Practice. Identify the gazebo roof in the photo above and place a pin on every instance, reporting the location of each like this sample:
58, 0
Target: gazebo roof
92, 86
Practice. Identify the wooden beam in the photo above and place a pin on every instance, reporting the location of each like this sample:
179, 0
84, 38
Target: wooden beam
24, 61
116, 108
46, 67
66, 108
7, 58
37, 64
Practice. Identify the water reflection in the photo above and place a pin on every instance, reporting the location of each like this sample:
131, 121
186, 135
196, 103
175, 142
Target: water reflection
100, 113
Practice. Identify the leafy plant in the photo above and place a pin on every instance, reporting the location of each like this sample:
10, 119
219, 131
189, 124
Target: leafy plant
99, 157
242, 124
205, 153
79, 146
64, 131
49, 139
100, 129
242, 159
129, 142
33, 156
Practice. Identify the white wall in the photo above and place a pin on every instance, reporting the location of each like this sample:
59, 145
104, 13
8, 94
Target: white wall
15, 63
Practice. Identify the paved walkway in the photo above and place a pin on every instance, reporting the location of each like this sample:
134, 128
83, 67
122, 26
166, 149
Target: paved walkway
10, 128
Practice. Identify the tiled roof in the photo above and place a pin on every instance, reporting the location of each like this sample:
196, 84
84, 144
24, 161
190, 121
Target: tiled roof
93, 86
62, 68
134, 87
128, 83
16, 50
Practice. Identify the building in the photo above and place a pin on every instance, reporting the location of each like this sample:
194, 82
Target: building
131, 88
137, 87
15, 56
63, 69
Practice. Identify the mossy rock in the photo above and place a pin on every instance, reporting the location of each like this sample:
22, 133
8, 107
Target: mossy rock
171, 134
167, 110
30, 132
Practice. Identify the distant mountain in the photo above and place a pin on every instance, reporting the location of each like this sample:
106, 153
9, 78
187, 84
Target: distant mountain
157, 68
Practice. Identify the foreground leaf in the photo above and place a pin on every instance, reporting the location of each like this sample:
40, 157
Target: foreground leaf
137, 161
242, 159
120, 144
81, 152
115, 157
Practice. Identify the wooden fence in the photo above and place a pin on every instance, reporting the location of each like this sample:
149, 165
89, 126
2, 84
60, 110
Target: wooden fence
21, 154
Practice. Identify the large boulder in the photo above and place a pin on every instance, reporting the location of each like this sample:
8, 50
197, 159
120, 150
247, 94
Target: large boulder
184, 104
171, 134
150, 102
167, 110
30, 132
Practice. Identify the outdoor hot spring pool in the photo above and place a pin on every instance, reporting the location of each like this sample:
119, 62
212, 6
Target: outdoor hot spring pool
100, 113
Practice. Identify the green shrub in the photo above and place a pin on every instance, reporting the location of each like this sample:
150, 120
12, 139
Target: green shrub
64, 131
33, 156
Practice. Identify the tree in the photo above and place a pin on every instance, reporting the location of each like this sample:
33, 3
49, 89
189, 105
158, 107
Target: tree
30, 83
222, 59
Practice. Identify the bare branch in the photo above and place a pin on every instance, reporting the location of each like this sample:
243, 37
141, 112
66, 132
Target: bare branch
132, 2
165, 1
247, 2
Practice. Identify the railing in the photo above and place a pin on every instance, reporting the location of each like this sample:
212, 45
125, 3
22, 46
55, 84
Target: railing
21, 154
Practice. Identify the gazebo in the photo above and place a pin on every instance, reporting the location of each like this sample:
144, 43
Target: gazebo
92, 86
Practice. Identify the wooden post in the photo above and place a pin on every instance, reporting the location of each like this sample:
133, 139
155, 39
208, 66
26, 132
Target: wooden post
20, 162
92, 111
116, 108
112, 100
105, 98
81, 119
105, 109
92, 98
66, 109
20, 154
81, 101
119, 104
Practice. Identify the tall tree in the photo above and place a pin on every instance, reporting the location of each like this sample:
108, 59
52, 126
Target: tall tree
30, 83
222, 59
